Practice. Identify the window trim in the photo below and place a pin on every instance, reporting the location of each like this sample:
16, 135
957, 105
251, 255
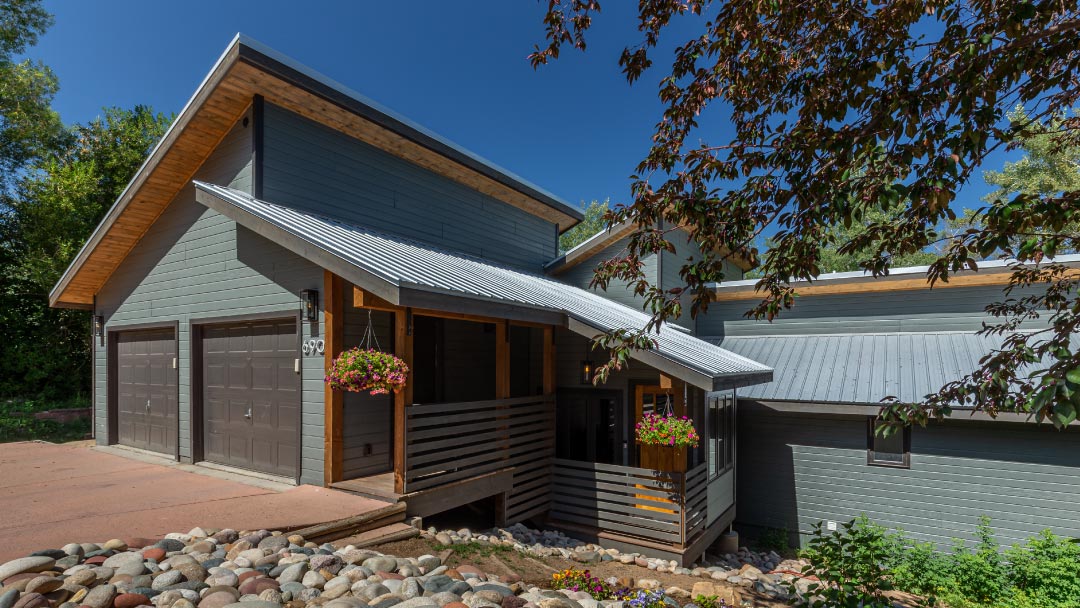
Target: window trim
905, 463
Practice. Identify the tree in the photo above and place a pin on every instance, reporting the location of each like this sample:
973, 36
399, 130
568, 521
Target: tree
1047, 168
592, 224
54, 208
29, 128
840, 109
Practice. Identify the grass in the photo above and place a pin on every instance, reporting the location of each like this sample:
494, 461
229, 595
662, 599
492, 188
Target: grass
16, 425
474, 549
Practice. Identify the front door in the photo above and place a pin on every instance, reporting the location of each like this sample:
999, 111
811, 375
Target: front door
146, 398
588, 423
251, 395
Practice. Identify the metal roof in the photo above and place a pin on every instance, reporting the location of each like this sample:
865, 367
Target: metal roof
860, 368
389, 265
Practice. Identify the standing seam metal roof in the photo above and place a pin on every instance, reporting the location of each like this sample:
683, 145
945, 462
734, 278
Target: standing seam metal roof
860, 368
406, 263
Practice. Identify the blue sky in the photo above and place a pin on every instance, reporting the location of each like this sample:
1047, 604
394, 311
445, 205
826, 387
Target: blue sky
576, 128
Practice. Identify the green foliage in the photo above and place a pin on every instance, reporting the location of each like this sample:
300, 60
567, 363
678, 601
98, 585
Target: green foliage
849, 565
1046, 571
17, 423
52, 210
709, 601
774, 539
29, 128
1042, 573
838, 112
1048, 166
473, 549
593, 223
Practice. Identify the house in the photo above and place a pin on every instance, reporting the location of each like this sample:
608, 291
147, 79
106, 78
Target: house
806, 450
283, 218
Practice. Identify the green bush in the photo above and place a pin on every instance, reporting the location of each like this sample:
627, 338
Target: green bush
16, 423
857, 564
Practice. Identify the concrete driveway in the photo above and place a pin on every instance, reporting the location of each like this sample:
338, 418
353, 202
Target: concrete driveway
52, 494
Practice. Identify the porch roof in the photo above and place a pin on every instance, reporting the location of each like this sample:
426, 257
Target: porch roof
409, 273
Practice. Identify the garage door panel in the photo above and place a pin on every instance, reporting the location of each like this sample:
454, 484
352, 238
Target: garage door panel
260, 420
146, 383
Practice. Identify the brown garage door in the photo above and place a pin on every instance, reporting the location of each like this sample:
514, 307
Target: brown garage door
146, 399
251, 395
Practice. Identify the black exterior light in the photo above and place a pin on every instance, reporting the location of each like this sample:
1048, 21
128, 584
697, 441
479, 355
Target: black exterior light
586, 371
99, 326
309, 304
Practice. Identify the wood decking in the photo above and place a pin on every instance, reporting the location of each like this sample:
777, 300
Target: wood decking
379, 487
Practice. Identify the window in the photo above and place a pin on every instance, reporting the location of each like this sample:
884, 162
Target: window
720, 420
891, 451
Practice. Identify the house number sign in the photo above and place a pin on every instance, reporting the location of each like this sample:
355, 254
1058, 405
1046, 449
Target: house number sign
314, 347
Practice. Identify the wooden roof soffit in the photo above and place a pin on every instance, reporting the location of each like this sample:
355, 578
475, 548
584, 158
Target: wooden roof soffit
242, 72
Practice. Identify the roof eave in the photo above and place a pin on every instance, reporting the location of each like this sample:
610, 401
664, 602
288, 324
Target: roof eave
221, 66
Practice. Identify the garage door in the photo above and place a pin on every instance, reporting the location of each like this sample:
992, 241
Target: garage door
146, 398
251, 396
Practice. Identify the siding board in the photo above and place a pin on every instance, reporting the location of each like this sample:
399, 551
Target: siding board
796, 470
195, 264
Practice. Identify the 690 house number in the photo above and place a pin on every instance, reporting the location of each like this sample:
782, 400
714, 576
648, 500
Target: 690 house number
314, 347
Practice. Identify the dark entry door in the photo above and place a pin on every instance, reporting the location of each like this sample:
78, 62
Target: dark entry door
146, 398
251, 395
587, 425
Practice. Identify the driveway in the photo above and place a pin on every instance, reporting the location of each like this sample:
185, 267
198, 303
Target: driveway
52, 494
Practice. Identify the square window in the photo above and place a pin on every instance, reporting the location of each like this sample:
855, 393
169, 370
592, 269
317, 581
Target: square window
891, 451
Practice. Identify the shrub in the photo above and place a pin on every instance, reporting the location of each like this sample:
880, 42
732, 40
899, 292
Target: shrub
979, 575
849, 565
709, 601
1046, 571
367, 369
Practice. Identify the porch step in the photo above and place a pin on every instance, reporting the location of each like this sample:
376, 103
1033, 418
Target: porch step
385, 534
378, 519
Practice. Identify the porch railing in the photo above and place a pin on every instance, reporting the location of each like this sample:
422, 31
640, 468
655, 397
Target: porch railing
668, 508
448, 442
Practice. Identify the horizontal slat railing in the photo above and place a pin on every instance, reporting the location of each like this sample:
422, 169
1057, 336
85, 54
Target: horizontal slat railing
448, 442
657, 506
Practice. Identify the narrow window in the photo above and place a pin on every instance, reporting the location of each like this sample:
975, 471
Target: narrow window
720, 420
891, 451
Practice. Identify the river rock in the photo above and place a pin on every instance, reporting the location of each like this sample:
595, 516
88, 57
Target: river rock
8, 597
100, 597
34, 563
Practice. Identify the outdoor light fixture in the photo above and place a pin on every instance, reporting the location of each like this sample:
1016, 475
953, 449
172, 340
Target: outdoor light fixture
309, 304
99, 326
586, 372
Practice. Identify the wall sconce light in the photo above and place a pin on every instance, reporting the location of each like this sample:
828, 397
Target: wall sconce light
586, 371
99, 326
309, 304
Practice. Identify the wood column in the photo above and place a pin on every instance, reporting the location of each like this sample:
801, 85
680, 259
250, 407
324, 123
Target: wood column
333, 335
403, 349
549, 361
502, 360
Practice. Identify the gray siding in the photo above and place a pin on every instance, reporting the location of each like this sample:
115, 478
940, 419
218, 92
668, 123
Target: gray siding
313, 168
582, 274
795, 470
945, 309
367, 419
194, 263
671, 264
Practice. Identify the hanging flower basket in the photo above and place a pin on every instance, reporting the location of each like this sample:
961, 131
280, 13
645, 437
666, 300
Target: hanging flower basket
669, 431
663, 440
367, 369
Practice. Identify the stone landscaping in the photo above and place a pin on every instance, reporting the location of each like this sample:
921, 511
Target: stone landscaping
764, 572
229, 569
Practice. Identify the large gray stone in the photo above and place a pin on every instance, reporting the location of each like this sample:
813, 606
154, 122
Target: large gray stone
100, 597
8, 598
127, 557
380, 564
36, 563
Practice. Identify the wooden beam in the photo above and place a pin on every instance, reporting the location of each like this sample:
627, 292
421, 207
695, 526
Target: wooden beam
549, 360
403, 349
333, 334
502, 360
881, 284
365, 299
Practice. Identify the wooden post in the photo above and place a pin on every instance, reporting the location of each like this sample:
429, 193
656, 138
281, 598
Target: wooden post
403, 349
333, 334
502, 360
549, 361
